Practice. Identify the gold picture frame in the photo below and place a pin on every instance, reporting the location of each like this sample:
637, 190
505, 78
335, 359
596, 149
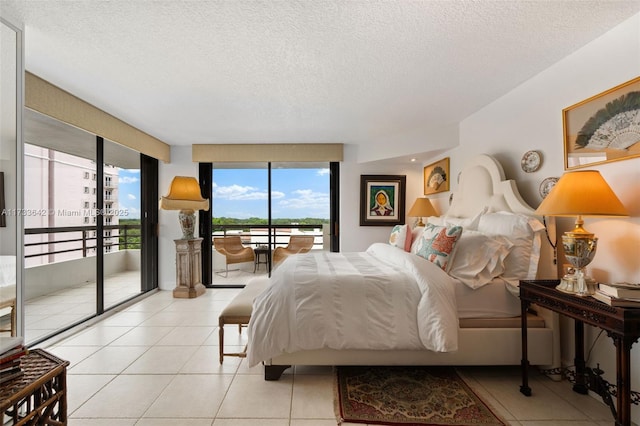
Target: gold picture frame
603, 128
436, 177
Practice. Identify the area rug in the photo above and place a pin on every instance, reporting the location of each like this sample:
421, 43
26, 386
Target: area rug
409, 396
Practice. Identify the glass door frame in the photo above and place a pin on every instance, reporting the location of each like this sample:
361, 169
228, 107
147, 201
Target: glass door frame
205, 177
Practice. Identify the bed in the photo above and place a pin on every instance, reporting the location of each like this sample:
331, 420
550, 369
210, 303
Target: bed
412, 301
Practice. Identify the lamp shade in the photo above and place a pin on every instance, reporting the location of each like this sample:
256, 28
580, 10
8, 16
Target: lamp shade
422, 208
184, 194
582, 193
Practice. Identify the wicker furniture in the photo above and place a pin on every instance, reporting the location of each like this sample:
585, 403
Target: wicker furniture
297, 244
39, 396
234, 252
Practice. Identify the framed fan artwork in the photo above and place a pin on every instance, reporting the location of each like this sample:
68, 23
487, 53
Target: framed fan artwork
436, 177
603, 128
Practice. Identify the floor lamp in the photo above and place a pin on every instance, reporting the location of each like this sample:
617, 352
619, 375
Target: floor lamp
184, 195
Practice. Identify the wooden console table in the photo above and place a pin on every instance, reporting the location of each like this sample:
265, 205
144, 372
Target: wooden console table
39, 396
621, 324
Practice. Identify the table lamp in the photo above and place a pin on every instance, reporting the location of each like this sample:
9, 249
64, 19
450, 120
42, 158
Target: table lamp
422, 208
579, 194
184, 195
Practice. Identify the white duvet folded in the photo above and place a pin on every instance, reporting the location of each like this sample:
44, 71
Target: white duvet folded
380, 299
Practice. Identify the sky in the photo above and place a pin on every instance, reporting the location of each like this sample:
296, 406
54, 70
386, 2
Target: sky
295, 193
129, 193
242, 193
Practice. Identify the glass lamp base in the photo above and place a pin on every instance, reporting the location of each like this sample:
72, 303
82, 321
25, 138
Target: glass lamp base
571, 284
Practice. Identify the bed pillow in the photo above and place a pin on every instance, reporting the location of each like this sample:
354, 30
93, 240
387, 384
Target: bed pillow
416, 239
438, 243
479, 258
401, 237
468, 223
523, 232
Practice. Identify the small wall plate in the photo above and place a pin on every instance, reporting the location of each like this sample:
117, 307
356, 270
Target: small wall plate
547, 185
531, 161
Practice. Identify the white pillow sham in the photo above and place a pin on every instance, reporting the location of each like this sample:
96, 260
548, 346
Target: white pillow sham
479, 258
523, 231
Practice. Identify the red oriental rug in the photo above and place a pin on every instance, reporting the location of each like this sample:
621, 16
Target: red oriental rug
409, 396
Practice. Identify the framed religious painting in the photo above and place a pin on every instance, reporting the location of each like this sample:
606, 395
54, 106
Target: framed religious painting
436, 177
382, 199
603, 128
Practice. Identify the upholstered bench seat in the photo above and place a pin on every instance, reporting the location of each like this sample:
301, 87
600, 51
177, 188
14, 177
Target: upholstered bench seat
238, 311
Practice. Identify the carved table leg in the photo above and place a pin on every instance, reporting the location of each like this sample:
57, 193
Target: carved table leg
581, 384
623, 375
524, 363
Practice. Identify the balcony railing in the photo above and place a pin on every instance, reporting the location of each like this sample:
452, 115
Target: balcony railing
81, 239
256, 234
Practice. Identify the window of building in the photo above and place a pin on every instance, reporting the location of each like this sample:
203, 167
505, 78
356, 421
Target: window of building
86, 175
86, 189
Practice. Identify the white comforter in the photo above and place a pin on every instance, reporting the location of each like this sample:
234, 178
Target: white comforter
380, 299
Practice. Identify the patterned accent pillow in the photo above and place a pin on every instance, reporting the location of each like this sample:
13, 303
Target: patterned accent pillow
438, 244
401, 237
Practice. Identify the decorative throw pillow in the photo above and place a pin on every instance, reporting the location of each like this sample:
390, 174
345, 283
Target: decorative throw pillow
401, 237
438, 244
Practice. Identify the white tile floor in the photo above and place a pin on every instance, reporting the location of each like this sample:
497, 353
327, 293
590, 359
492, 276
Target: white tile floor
156, 363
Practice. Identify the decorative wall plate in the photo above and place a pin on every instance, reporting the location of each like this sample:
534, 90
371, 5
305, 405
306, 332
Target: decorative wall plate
531, 161
547, 185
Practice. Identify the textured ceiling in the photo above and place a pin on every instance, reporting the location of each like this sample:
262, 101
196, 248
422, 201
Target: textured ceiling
357, 72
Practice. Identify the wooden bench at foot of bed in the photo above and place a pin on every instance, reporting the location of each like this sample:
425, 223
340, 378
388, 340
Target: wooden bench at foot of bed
238, 311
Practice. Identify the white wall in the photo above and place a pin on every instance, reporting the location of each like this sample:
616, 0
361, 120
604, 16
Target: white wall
530, 117
168, 226
354, 237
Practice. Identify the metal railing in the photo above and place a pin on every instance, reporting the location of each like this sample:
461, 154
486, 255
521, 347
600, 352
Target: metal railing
82, 239
255, 235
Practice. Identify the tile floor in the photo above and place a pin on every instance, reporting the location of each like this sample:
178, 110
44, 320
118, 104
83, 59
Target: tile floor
156, 363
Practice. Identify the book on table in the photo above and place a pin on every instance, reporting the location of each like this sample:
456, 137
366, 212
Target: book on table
620, 302
621, 290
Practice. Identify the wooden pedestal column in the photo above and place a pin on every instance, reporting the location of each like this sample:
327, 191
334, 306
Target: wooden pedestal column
188, 269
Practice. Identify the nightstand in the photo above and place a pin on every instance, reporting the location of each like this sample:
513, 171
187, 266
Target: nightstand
621, 324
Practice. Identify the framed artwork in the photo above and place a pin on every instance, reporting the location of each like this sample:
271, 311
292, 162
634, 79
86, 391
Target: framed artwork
603, 128
436, 177
382, 200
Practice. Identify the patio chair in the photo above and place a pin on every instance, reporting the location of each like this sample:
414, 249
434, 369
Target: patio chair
233, 251
297, 244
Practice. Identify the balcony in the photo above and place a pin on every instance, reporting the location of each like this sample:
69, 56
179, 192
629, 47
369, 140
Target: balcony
60, 269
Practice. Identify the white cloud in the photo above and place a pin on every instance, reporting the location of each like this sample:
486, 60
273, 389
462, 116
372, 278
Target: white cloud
239, 193
131, 197
323, 172
128, 179
314, 202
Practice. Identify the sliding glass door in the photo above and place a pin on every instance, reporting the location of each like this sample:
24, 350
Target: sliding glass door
83, 231
265, 204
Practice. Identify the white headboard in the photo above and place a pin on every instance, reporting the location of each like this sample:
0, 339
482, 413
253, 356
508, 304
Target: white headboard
482, 184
